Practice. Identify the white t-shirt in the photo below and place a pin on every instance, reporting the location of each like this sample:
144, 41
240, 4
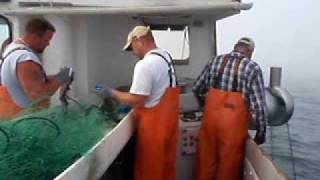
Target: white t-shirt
151, 77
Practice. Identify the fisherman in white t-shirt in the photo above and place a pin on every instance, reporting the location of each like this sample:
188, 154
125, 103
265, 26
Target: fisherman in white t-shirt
154, 95
22, 77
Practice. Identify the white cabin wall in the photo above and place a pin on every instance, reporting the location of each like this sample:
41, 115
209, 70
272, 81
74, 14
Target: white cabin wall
12, 3
202, 48
18, 25
99, 57
60, 51
92, 45
123, 2
107, 63
80, 55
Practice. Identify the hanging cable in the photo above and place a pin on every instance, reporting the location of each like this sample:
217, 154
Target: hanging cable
291, 152
40, 3
185, 40
50, 3
56, 127
271, 143
7, 140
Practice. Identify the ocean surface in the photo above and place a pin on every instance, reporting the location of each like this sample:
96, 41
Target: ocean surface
304, 135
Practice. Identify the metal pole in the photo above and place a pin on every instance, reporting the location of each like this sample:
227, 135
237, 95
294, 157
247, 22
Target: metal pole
291, 153
275, 76
271, 143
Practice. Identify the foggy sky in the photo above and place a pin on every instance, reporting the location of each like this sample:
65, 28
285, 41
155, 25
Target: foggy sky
285, 33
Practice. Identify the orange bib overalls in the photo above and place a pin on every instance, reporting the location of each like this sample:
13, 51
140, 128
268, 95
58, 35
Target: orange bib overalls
8, 108
157, 133
222, 135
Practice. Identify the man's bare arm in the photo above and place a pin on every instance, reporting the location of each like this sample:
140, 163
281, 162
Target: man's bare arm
31, 77
131, 99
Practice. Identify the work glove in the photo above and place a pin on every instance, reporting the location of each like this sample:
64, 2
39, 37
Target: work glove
123, 108
103, 91
65, 75
260, 136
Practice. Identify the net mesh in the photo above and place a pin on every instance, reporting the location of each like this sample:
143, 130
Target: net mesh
43, 144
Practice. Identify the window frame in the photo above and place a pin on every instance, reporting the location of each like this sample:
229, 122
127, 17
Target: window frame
9, 25
174, 27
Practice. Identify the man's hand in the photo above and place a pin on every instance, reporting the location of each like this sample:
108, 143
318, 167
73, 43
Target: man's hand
65, 75
103, 91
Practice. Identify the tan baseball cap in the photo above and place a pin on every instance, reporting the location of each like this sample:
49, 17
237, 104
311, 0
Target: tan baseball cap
135, 33
248, 41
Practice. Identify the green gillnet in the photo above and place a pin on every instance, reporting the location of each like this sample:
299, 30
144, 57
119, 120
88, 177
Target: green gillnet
41, 145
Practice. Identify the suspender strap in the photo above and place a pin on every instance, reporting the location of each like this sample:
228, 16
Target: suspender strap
172, 65
218, 78
235, 77
18, 49
171, 71
10, 52
223, 65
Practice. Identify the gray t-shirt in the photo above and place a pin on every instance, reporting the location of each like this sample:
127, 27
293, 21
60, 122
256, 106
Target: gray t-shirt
9, 77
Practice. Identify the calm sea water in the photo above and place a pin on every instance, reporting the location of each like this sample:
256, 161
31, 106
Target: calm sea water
304, 133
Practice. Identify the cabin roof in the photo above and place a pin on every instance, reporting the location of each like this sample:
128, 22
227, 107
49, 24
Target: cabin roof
217, 9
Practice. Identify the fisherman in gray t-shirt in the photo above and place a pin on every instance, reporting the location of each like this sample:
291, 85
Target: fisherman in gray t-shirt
23, 79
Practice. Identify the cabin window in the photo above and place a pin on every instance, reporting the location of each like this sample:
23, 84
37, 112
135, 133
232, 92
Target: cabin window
175, 39
5, 32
